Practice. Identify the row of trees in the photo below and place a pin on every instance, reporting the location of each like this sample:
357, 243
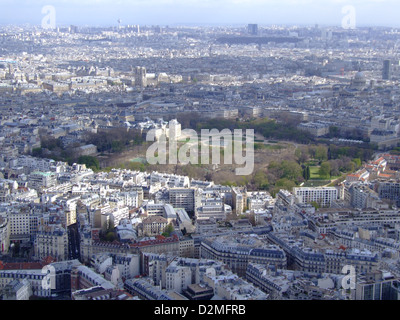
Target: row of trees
333, 160
284, 129
114, 139
270, 129
90, 162
306, 173
284, 175
364, 153
52, 148
278, 175
306, 154
288, 174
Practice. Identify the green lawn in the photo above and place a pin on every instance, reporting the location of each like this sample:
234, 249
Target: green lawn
314, 173
261, 146
274, 147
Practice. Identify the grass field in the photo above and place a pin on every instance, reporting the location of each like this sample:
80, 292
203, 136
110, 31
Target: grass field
314, 173
261, 146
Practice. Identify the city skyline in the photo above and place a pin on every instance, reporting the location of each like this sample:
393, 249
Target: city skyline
201, 12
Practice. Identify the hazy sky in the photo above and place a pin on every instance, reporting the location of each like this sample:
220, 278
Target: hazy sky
212, 12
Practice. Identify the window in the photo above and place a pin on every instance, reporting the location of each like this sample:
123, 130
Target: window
368, 292
377, 291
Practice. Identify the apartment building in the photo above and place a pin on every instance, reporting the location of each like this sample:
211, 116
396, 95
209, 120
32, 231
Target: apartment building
390, 190
128, 265
239, 200
363, 197
324, 196
40, 179
153, 225
19, 219
18, 289
51, 241
146, 291
83, 277
128, 198
238, 252
177, 277
307, 259
213, 208
183, 198
34, 276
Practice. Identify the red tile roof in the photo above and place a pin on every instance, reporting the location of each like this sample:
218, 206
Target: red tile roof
21, 265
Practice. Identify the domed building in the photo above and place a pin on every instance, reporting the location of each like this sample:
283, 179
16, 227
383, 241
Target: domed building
359, 81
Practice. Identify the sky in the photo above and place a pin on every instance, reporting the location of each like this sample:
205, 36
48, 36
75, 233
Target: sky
201, 12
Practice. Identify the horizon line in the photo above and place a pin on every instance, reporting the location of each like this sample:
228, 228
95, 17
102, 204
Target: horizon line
202, 24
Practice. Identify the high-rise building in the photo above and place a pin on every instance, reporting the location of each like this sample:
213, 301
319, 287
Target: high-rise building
19, 220
252, 29
377, 285
183, 198
387, 72
239, 197
73, 29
